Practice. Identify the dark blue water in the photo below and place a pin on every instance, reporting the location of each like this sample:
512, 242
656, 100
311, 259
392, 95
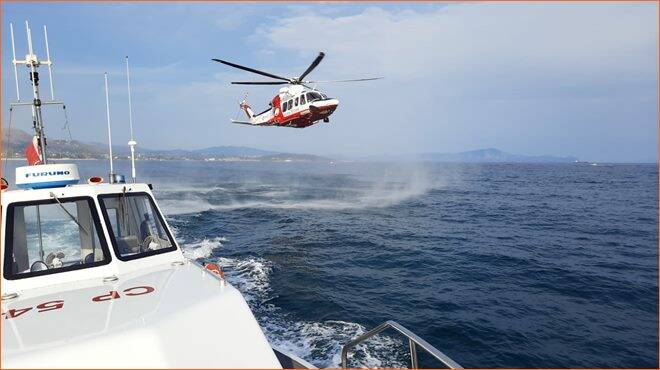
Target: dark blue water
498, 265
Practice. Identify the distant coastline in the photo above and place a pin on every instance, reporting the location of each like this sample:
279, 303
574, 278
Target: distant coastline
77, 150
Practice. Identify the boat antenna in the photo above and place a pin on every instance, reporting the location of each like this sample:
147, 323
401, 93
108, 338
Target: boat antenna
32, 62
50, 65
107, 110
132, 143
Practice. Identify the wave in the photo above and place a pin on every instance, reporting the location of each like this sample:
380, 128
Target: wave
249, 275
202, 249
317, 342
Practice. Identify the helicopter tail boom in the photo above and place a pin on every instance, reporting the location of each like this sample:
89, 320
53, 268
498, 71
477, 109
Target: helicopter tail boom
243, 122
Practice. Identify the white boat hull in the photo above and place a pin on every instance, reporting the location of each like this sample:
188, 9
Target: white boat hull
166, 316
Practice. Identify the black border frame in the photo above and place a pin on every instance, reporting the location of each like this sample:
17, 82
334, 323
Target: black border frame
9, 235
111, 232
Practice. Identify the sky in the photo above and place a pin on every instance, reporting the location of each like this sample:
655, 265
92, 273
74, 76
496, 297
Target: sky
543, 78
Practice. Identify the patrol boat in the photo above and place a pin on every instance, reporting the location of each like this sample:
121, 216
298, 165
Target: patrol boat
92, 277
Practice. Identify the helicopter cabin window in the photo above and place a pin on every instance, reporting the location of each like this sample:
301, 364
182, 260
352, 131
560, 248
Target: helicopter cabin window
302, 99
136, 227
313, 96
51, 236
290, 103
283, 107
297, 98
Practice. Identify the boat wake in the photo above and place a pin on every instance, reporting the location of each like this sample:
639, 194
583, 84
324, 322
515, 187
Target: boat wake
317, 342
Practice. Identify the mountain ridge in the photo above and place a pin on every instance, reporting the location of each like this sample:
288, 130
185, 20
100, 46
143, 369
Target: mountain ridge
81, 150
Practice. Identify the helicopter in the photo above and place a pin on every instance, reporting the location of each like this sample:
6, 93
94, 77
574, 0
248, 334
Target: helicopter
296, 105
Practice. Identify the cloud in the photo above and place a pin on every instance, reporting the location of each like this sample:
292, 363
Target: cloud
513, 44
544, 78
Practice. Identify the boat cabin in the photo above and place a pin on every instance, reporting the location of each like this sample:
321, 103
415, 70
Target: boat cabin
50, 229
89, 268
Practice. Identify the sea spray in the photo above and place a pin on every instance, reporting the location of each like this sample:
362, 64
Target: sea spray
392, 186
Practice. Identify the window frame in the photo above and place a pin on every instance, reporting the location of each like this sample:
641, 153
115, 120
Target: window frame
111, 232
9, 236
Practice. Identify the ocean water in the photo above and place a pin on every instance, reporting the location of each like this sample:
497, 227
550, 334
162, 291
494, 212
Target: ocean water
497, 265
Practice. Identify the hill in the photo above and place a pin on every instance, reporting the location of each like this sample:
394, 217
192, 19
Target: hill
15, 147
16, 144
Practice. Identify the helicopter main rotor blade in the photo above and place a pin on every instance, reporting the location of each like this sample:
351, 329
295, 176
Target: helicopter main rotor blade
252, 70
353, 80
260, 83
311, 67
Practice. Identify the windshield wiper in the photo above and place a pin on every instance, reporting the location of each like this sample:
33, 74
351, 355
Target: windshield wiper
68, 213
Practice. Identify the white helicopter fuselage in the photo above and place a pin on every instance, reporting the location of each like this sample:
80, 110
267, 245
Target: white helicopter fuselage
294, 106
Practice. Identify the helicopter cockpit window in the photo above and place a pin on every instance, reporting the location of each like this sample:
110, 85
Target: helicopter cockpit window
51, 236
313, 96
136, 227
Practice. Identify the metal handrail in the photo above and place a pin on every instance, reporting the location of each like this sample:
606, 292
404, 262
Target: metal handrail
413, 341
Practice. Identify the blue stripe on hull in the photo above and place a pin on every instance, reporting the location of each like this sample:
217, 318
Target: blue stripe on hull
47, 184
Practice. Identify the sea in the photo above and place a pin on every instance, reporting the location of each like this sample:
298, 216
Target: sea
496, 265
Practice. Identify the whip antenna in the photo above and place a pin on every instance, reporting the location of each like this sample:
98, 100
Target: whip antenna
107, 107
132, 143
49, 64
13, 51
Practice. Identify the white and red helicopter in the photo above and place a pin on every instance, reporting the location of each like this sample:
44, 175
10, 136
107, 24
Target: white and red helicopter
296, 105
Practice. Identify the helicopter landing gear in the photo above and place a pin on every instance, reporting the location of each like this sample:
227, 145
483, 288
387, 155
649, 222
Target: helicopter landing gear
326, 120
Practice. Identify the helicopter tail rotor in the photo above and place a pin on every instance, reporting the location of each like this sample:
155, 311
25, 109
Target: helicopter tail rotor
246, 107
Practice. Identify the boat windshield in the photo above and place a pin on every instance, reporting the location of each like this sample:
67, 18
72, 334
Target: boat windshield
136, 227
51, 236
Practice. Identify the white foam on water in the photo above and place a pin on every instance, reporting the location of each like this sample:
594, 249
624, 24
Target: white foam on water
248, 275
321, 343
317, 342
203, 248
